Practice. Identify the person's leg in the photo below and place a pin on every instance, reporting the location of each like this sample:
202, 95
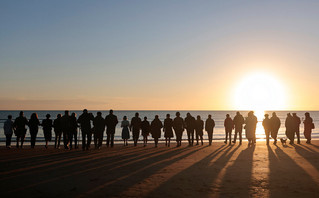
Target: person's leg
22, 140
18, 139
201, 139
108, 137
210, 138
96, 139
240, 136
156, 141
75, 135
32, 140
235, 136
83, 140
298, 137
70, 135
197, 137
229, 137
89, 136
55, 140
226, 134
59, 139
193, 131
169, 142
189, 136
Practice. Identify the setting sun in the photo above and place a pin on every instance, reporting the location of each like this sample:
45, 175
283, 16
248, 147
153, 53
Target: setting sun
259, 92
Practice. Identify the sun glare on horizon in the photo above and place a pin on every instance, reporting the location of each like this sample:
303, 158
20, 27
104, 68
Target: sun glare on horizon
260, 92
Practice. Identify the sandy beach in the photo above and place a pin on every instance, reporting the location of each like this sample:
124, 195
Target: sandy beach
199, 171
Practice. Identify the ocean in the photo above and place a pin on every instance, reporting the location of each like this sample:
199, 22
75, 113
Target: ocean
218, 116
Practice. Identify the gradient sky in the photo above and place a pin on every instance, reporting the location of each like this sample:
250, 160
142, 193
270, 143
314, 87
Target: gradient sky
154, 55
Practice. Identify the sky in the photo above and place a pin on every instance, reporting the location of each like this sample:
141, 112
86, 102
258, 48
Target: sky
156, 55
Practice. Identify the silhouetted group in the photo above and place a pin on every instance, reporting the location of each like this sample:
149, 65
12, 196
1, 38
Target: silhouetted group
67, 126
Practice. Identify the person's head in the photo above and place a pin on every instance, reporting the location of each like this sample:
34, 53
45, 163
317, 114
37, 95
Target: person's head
307, 114
198, 117
21, 113
73, 114
178, 114
294, 114
266, 115
99, 113
168, 116
59, 115
85, 111
137, 114
288, 114
66, 112
34, 116
227, 115
237, 113
156, 117
145, 118
111, 111
274, 114
209, 116
251, 113
188, 114
124, 118
48, 116
9, 117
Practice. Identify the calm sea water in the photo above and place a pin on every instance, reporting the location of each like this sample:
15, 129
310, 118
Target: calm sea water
218, 116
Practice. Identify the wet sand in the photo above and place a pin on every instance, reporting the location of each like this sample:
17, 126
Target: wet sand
199, 171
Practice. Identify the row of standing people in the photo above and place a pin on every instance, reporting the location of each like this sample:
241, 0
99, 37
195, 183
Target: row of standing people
67, 125
271, 127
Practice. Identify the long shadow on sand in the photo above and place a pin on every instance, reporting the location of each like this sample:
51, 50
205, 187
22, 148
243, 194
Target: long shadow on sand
309, 154
198, 179
282, 180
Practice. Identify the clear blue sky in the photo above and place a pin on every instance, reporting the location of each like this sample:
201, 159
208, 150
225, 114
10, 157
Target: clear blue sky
153, 54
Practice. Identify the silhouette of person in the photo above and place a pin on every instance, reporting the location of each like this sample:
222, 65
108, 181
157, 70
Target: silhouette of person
209, 127
308, 126
168, 130
156, 126
85, 121
267, 127
73, 133
250, 128
125, 131
146, 128
238, 125
135, 127
229, 125
47, 129
296, 126
190, 124
99, 127
290, 128
199, 129
275, 126
110, 122
66, 128
20, 128
57, 130
178, 126
34, 128
8, 130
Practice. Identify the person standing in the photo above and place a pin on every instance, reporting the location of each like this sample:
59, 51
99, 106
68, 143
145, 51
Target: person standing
238, 125
34, 128
178, 126
135, 127
290, 128
73, 133
156, 127
168, 130
85, 121
8, 130
146, 128
209, 127
308, 126
275, 126
57, 130
250, 128
190, 123
110, 122
296, 126
229, 125
99, 127
66, 128
125, 130
199, 130
47, 129
267, 127
20, 128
